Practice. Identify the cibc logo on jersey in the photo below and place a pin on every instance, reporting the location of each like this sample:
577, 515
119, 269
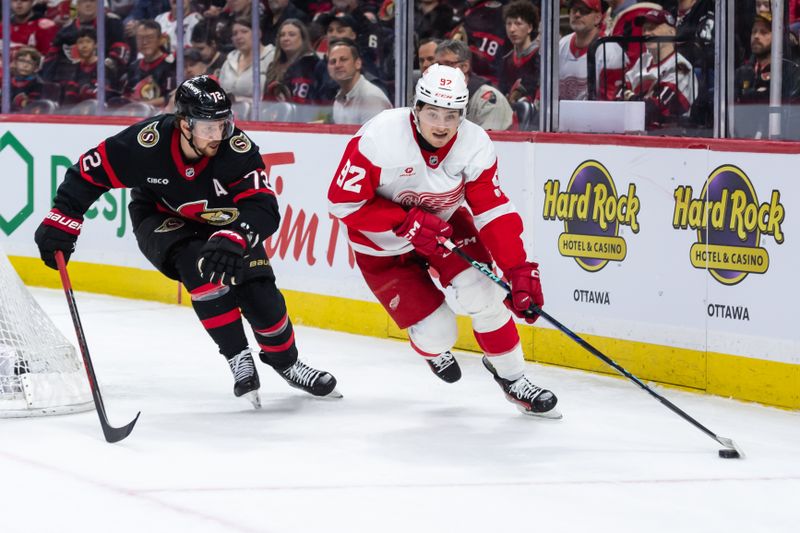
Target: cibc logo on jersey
729, 221
592, 213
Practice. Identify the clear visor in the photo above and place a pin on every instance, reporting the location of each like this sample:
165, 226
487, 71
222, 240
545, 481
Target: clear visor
212, 130
439, 117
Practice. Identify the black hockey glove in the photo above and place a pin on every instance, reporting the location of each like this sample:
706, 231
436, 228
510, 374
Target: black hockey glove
57, 232
222, 257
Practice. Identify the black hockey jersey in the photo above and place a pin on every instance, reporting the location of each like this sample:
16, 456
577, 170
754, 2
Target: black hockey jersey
230, 189
486, 35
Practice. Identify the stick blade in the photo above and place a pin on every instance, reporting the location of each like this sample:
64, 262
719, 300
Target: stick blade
728, 443
113, 434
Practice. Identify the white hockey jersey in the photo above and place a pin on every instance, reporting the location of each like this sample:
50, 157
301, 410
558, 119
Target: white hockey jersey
670, 87
384, 172
573, 70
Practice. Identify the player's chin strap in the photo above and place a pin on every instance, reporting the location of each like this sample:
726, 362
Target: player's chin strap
190, 140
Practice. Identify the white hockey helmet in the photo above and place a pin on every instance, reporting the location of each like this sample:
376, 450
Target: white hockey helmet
442, 86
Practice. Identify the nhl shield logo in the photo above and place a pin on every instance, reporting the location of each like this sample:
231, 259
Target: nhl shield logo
433, 160
189, 172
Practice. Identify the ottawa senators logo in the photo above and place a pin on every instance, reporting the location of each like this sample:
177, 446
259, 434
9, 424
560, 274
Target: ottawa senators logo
201, 212
241, 143
149, 136
170, 224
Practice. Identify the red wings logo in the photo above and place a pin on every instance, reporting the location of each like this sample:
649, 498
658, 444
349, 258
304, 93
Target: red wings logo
434, 202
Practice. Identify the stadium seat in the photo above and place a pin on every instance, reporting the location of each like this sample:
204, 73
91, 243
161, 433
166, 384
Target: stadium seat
241, 109
40, 107
276, 112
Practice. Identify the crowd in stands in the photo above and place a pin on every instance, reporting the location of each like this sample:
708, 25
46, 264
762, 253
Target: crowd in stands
337, 57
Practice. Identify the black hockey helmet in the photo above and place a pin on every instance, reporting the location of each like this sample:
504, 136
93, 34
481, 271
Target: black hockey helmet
201, 99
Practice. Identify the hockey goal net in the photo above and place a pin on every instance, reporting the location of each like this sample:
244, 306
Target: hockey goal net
40, 371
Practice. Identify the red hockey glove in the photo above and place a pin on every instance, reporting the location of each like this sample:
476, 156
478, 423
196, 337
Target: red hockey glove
57, 232
526, 289
421, 229
222, 257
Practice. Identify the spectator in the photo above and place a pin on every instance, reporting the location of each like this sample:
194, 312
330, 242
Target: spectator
60, 58
152, 77
26, 85
483, 29
426, 53
30, 29
193, 64
290, 76
169, 23
620, 21
57, 10
358, 100
753, 78
82, 84
279, 11
584, 19
234, 10
434, 19
663, 78
205, 42
236, 75
374, 41
143, 10
519, 77
487, 106
695, 26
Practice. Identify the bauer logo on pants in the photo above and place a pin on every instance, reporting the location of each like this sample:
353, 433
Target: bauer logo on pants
592, 213
729, 221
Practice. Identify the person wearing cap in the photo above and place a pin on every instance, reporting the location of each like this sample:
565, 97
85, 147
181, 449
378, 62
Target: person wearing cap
620, 21
752, 80
585, 17
413, 178
662, 77
358, 100
487, 106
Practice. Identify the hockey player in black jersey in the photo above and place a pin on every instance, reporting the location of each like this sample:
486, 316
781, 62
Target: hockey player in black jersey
201, 208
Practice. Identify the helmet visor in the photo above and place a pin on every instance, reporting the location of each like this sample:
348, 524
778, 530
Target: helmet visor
439, 117
211, 130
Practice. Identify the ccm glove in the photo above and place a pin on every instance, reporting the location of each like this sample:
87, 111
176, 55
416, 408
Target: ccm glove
222, 257
421, 229
526, 289
57, 232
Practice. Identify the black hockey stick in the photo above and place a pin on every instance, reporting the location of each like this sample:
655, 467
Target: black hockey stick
534, 309
111, 433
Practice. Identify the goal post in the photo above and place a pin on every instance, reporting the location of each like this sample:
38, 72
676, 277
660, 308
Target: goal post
41, 373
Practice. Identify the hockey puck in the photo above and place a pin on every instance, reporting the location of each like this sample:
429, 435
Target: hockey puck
728, 453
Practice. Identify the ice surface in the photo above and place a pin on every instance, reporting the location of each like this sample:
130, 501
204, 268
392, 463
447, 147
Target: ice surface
402, 452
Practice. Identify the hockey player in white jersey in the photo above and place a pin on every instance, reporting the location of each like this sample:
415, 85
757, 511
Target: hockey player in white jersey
406, 178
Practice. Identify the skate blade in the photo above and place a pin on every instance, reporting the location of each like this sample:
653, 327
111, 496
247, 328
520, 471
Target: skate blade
254, 398
552, 414
332, 395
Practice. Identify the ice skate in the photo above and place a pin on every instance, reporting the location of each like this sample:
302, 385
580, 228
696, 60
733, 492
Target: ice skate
315, 382
529, 399
445, 367
245, 376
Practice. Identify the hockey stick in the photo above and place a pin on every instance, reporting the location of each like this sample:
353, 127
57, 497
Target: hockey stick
111, 433
534, 309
